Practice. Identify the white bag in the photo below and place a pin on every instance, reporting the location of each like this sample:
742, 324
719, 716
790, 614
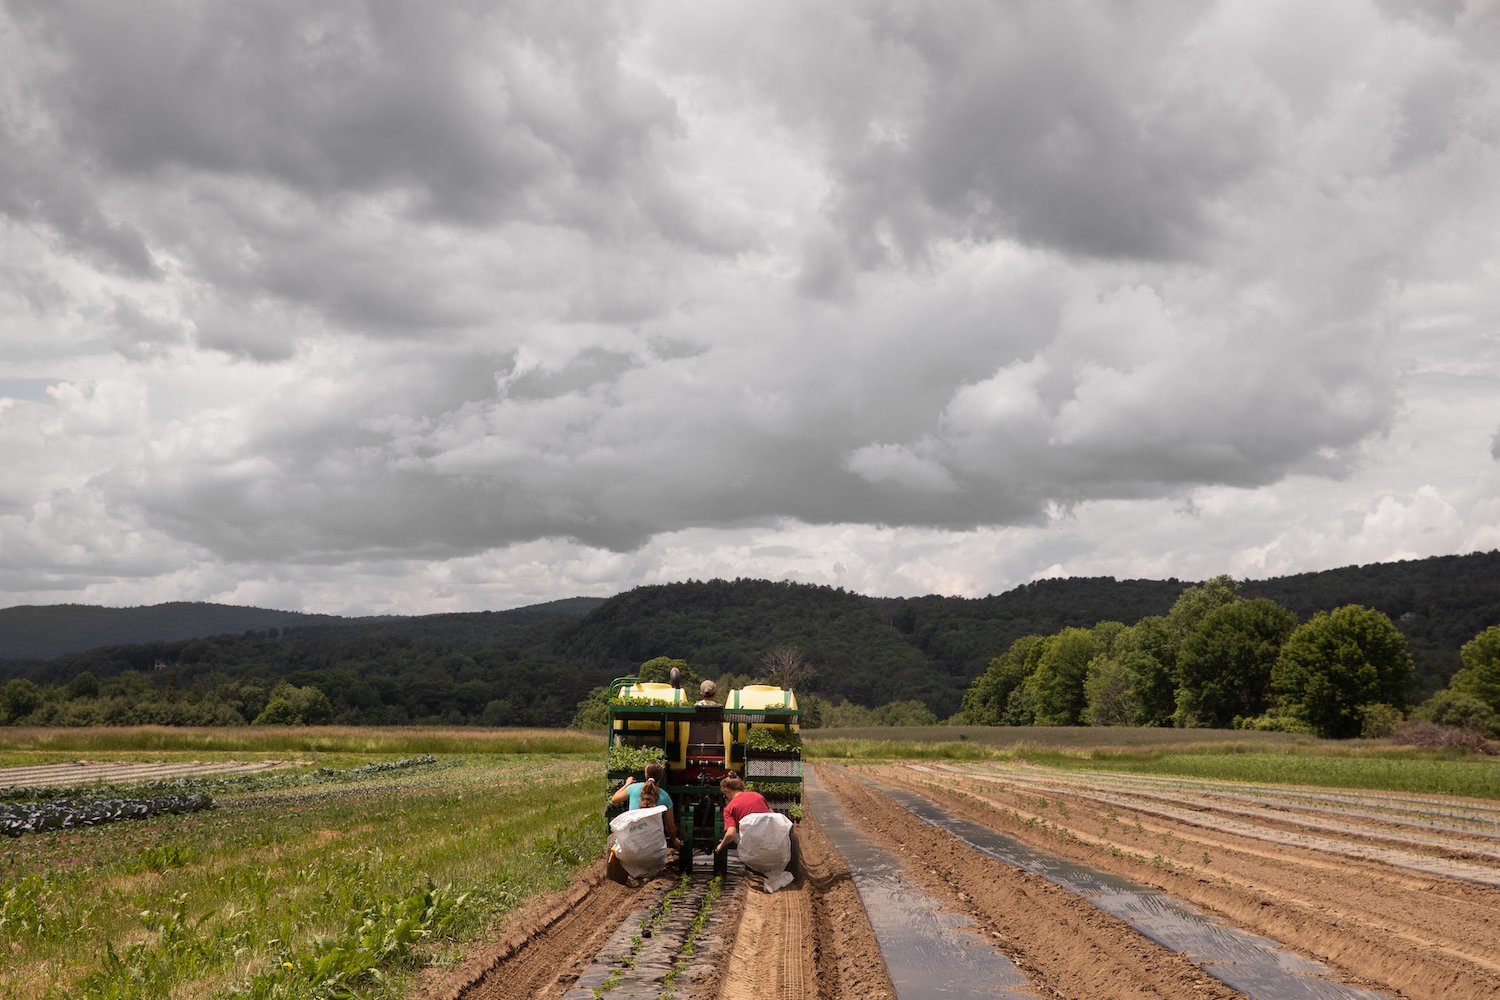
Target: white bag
639, 842
765, 845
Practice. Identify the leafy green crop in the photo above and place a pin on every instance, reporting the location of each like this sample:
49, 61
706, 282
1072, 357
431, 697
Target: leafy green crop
773, 740
776, 789
629, 758
17, 818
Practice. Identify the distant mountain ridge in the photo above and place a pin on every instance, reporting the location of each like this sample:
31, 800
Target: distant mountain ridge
46, 631
531, 665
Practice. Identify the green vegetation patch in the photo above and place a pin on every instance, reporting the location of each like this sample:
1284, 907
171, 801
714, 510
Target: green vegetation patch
317, 890
55, 744
768, 740
634, 759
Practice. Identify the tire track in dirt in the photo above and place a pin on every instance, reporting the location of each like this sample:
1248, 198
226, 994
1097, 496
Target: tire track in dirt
1414, 934
809, 940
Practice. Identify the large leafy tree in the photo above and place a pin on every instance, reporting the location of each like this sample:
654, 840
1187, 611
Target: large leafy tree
1480, 676
1109, 692
1195, 603
1336, 663
985, 701
659, 670
1149, 649
1225, 663
1060, 673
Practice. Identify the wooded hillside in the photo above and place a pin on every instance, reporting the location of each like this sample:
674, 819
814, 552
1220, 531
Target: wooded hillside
531, 666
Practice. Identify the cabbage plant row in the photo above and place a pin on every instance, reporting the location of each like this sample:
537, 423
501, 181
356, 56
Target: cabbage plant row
17, 818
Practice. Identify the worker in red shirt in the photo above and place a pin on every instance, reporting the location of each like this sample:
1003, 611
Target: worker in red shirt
738, 803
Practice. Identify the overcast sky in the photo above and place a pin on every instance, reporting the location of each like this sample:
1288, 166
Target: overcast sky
388, 307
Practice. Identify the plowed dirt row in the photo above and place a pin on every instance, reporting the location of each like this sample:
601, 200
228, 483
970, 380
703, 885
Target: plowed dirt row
810, 940
1395, 930
1403, 933
814, 939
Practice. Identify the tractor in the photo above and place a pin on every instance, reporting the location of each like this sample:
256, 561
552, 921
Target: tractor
753, 733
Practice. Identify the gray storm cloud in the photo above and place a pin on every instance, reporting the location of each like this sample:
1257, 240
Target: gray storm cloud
379, 281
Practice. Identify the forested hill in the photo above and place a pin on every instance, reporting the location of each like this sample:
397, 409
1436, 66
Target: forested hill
48, 630
43, 632
531, 666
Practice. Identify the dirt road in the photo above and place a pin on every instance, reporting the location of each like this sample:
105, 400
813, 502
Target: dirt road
1394, 895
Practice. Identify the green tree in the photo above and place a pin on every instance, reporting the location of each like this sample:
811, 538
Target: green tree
1194, 603
18, 699
985, 701
1060, 674
592, 714
290, 705
1337, 662
659, 670
84, 685
1225, 663
1480, 676
1109, 691
1149, 649
909, 712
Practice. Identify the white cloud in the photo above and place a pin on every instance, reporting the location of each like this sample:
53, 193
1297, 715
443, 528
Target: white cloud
358, 307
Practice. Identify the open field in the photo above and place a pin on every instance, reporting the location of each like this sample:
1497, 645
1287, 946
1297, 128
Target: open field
296, 884
478, 875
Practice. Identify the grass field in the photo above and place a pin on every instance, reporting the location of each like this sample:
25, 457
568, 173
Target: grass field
334, 878
310, 885
1234, 755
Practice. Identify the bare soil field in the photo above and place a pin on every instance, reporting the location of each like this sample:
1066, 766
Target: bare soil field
1395, 894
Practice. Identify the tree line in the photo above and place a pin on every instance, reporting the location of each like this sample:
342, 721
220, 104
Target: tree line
1219, 659
878, 661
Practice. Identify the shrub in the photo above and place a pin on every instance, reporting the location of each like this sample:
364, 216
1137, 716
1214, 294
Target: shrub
1460, 710
1379, 720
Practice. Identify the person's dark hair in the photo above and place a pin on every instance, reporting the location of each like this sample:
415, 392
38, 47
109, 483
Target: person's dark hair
655, 771
648, 793
732, 783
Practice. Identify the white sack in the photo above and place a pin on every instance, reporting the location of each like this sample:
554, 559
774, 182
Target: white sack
639, 841
765, 845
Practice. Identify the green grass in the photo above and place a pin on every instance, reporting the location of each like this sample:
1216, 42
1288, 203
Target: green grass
218, 743
1023, 738
1232, 755
1389, 771
298, 891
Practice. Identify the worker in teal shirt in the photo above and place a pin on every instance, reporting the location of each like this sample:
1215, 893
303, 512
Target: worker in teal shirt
631, 792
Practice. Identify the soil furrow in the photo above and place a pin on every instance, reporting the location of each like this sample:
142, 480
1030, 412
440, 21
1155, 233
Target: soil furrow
1065, 945
1404, 932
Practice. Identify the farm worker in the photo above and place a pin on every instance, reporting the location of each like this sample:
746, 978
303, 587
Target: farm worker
708, 695
631, 792
739, 803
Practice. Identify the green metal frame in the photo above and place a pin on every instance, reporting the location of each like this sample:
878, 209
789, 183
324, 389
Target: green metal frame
739, 720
